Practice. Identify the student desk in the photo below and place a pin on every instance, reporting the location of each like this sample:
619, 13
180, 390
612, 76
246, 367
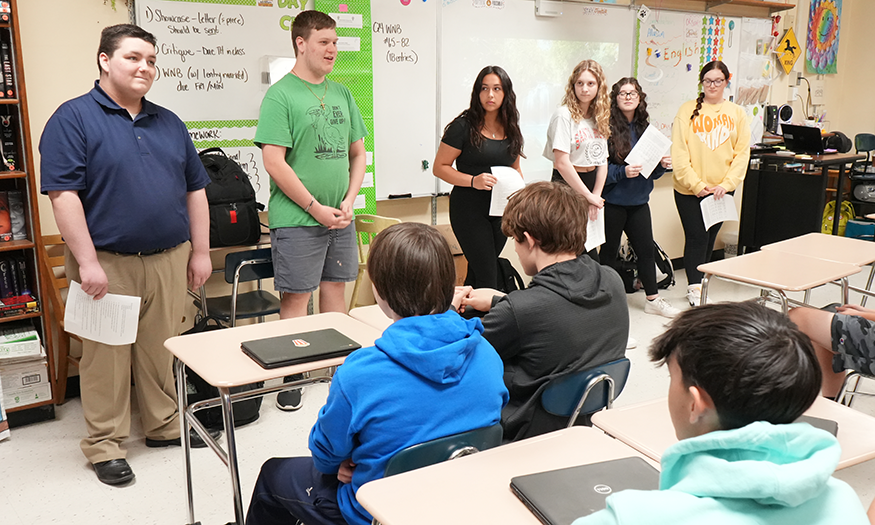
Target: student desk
779, 271
371, 316
216, 356
647, 428
779, 203
832, 248
476, 489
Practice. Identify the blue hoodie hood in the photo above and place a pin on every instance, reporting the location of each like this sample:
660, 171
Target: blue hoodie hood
436, 347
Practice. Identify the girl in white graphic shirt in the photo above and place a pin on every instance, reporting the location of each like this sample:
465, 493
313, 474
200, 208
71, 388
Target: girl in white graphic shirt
577, 137
710, 151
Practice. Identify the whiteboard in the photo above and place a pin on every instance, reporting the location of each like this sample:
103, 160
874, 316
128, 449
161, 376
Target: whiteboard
405, 96
538, 53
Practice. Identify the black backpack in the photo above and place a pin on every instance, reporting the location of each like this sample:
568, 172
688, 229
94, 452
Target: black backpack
628, 267
509, 279
245, 411
233, 209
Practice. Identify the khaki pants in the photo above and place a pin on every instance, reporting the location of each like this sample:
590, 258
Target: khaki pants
105, 371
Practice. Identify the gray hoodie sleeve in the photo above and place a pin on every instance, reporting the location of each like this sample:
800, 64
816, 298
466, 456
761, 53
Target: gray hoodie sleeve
501, 328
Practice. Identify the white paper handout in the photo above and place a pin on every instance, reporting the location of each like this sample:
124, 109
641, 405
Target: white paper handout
111, 320
714, 211
509, 181
595, 231
649, 150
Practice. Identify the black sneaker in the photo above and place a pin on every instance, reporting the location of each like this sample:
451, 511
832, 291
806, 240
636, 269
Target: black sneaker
290, 400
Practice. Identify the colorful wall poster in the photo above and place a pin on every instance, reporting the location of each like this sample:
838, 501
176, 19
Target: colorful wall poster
821, 51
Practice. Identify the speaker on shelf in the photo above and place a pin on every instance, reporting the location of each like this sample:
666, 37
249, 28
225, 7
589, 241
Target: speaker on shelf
771, 120
785, 115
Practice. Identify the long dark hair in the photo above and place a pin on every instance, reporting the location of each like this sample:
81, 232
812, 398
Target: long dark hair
508, 116
620, 141
714, 64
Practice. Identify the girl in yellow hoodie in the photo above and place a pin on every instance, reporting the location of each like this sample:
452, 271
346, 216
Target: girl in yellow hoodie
710, 152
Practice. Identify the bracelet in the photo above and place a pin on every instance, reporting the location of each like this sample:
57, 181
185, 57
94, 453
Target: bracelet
312, 200
472, 180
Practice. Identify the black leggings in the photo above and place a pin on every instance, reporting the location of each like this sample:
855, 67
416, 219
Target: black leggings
588, 179
479, 235
699, 243
635, 221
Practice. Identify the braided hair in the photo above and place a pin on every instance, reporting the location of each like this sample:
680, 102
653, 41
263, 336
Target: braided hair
714, 64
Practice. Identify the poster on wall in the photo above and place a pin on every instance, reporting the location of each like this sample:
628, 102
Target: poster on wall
821, 51
216, 59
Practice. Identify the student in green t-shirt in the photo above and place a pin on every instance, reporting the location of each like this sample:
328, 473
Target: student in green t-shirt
311, 136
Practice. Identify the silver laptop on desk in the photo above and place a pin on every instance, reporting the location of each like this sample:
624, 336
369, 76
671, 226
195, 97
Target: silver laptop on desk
802, 139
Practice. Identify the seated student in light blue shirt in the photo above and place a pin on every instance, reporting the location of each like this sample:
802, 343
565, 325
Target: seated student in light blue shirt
740, 373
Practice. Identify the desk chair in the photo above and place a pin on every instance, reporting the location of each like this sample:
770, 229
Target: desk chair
863, 142
847, 392
366, 228
586, 391
443, 449
240, 267
53, 261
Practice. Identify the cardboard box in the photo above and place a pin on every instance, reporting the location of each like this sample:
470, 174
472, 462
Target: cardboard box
25, 383
458, 257
19, 341
447, 231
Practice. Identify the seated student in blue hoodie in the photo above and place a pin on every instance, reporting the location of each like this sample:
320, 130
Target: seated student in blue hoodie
740, 373
572, 316
430, 375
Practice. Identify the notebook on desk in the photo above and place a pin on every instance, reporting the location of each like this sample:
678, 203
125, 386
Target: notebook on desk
802, 139
295, 349
558, 497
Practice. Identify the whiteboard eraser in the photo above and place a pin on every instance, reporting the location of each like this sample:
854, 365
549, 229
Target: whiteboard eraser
548, 8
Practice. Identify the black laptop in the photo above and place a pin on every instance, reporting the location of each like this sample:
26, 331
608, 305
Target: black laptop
558, 497
295, 349
802, 139
824, 424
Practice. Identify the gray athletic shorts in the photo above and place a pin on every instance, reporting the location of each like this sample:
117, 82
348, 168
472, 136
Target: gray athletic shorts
853, 341
304, 256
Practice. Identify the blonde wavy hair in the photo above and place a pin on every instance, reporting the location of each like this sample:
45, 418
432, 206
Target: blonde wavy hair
600, 107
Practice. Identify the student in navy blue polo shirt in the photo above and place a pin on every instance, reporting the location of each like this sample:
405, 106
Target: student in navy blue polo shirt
127, 190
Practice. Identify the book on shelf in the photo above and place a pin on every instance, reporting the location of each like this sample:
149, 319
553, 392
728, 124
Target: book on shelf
8, 140
18, 305
8, 78
16, 215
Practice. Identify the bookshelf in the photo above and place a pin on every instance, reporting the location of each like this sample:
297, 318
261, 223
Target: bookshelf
17, 175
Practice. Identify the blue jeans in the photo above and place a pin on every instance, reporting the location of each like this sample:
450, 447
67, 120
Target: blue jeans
292, 488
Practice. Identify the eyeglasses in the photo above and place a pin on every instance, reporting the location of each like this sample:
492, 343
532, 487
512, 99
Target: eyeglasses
715, 83
628, 94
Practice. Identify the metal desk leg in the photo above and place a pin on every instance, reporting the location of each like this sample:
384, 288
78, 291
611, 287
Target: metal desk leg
228, 419
839, 194
845, 290
868, 284
182, 399
807, 296
703, 298
785, 304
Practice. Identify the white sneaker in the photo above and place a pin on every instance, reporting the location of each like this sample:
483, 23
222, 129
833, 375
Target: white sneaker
660, 306
694, 294
631, 343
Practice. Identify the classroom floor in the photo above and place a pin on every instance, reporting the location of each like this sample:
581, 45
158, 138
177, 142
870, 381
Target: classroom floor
45, 479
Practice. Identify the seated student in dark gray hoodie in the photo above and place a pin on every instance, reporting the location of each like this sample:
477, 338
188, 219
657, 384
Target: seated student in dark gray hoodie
572, 316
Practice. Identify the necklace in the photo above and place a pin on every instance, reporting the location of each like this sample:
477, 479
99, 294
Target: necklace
307, 85
487, 130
